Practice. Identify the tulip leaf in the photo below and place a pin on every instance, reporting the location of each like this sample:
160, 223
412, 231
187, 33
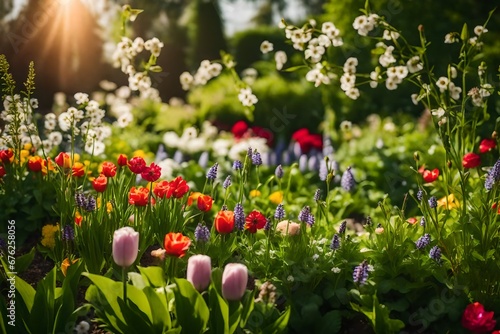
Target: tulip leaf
159, 310
153, 276
279, 325
248, 302
137, 280
137, 321
219, 311
108, 311
26, 291
191, 310
235, 309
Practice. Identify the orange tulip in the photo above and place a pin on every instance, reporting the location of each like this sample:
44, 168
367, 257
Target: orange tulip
78, 169
35, 164
224, 222
176, 244
100, 183
204, 203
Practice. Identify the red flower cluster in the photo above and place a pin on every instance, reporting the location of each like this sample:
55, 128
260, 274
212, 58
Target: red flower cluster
307, 140
241, 129
473, 160
176, 188
487, 145
477, 320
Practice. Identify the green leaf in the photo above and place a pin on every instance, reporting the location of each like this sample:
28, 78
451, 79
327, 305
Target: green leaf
153, 276
42, 313
191, 310
159, 310
137, 280
248, 302
26, 291
280, 324
235, 309
331, 322
478, 256
294, 68
219, 311
137, 320
24, 261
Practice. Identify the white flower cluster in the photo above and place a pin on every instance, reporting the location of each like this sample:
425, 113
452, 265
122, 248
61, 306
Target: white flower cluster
246, 97
348, 79
85, 121
205, 72
444, 84
365, 23
118, 104
124, 57
18, 119
191, 141
453, 37
479, 95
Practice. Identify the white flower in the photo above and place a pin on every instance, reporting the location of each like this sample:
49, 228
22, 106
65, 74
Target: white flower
280, 58
352, 93
414, 99
401, 72
364, 24
246, 97
442, 84
350, 65
94, 147
214, 69
82, 328
453, 72
438, 112
50, 121
186, 80
266, 47
124, 119
451, 38
329, 29
387, 58
55, 138
324, 41
138, 45
170, 139
315, 257
391, 84
479, 30
65, 121
107, 85
454, 91
34, 103
154, 46
168, 166
390, 35
81, 98
290, 278
414, 64
314, 53
336, 270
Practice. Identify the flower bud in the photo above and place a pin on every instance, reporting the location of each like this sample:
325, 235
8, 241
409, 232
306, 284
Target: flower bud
125, 246
416, 156
199, 269
234, 281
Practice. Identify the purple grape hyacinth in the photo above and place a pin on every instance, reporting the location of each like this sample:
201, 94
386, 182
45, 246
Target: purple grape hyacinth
347, 182
335, 244
423, 241
239, 217
212, 172
360, 274
201, 233
279, 214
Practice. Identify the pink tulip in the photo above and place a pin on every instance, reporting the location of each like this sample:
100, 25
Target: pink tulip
234, 281
199, 269
125, 246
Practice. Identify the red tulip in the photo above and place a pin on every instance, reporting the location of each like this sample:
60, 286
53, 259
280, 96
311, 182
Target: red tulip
78, 169
471, 160
224, 222
122, 160
137, 165
138, 196
430, 175
477, 320
204, 203
7, 155
239, 129
63, 160
2, 171
176, 244
487, 145
180, 187
151, 173
100, 183
35, 164
255, 221
108, 169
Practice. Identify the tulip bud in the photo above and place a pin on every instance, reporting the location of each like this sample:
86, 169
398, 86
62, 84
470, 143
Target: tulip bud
416, 156
199, 269
125, 246
234, 281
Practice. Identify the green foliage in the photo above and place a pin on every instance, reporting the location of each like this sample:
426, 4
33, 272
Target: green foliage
49, 308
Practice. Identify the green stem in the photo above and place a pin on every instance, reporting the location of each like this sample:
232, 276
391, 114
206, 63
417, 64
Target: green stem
124, 281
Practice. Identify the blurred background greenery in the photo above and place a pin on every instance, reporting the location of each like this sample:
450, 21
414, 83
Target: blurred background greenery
70, 40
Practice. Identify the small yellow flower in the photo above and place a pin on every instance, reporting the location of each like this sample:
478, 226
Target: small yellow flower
48, 235
109, 206
24, 155
449, 202
255, 193
139, 153
76, 157
27, 147
276, 197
